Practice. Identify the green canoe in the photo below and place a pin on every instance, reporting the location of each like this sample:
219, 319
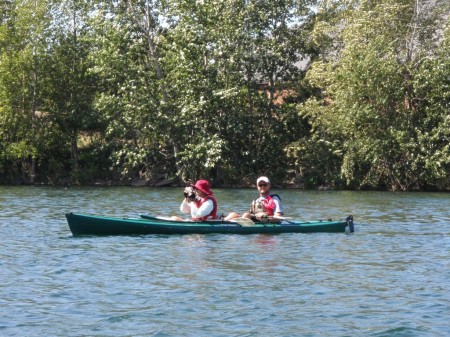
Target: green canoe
83, 224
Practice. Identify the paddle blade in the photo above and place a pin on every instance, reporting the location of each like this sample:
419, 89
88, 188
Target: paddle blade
243, 221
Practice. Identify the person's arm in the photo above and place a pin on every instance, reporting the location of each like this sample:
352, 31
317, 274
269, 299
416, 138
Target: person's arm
185, 206
205, 209
278, 211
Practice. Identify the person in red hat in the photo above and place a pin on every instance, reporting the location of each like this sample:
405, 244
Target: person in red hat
201, 204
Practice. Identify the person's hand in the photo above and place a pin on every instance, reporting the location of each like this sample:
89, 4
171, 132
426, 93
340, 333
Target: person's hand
262, 217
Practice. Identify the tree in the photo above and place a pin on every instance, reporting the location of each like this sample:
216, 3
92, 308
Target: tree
70, 87
371, 107
23, 30
431, 85
191, 70
217, 53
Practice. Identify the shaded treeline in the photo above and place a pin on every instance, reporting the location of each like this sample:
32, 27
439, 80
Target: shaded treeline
342, 94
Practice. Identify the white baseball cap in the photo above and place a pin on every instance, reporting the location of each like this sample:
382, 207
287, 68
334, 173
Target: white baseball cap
265, 179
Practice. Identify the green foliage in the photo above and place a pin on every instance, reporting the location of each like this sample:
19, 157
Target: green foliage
373, 105
177, 90
23, 30
432, 87
217, 53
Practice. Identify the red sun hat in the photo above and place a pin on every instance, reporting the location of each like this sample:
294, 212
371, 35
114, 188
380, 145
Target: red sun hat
203, 185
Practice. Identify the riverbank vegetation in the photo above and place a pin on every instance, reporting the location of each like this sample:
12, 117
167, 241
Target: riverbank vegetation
351, 94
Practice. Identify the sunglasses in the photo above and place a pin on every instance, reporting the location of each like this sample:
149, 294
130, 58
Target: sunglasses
262, 185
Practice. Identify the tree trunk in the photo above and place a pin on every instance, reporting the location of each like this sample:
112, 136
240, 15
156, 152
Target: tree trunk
75, 169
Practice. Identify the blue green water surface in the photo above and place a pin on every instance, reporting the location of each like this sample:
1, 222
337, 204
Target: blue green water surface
390, 278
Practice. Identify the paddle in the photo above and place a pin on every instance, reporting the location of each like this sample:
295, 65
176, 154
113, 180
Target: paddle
277, 218
248, 222
239, 221
243, 221
281, 217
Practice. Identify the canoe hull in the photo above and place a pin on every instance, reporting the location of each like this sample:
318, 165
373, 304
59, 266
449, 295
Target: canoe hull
82, 224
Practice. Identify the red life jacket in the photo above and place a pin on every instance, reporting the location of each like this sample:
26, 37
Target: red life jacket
267, 205
213, 214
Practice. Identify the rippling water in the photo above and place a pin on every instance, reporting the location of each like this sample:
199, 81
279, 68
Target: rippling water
390, 278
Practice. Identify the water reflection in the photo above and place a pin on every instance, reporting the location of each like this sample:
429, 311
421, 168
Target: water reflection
266, 241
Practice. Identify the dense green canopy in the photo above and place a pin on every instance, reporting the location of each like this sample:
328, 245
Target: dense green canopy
337, 94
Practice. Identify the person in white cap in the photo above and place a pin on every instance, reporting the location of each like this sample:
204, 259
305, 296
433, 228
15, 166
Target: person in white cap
267, 207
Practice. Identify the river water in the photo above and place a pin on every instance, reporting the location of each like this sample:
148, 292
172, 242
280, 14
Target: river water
390, 278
